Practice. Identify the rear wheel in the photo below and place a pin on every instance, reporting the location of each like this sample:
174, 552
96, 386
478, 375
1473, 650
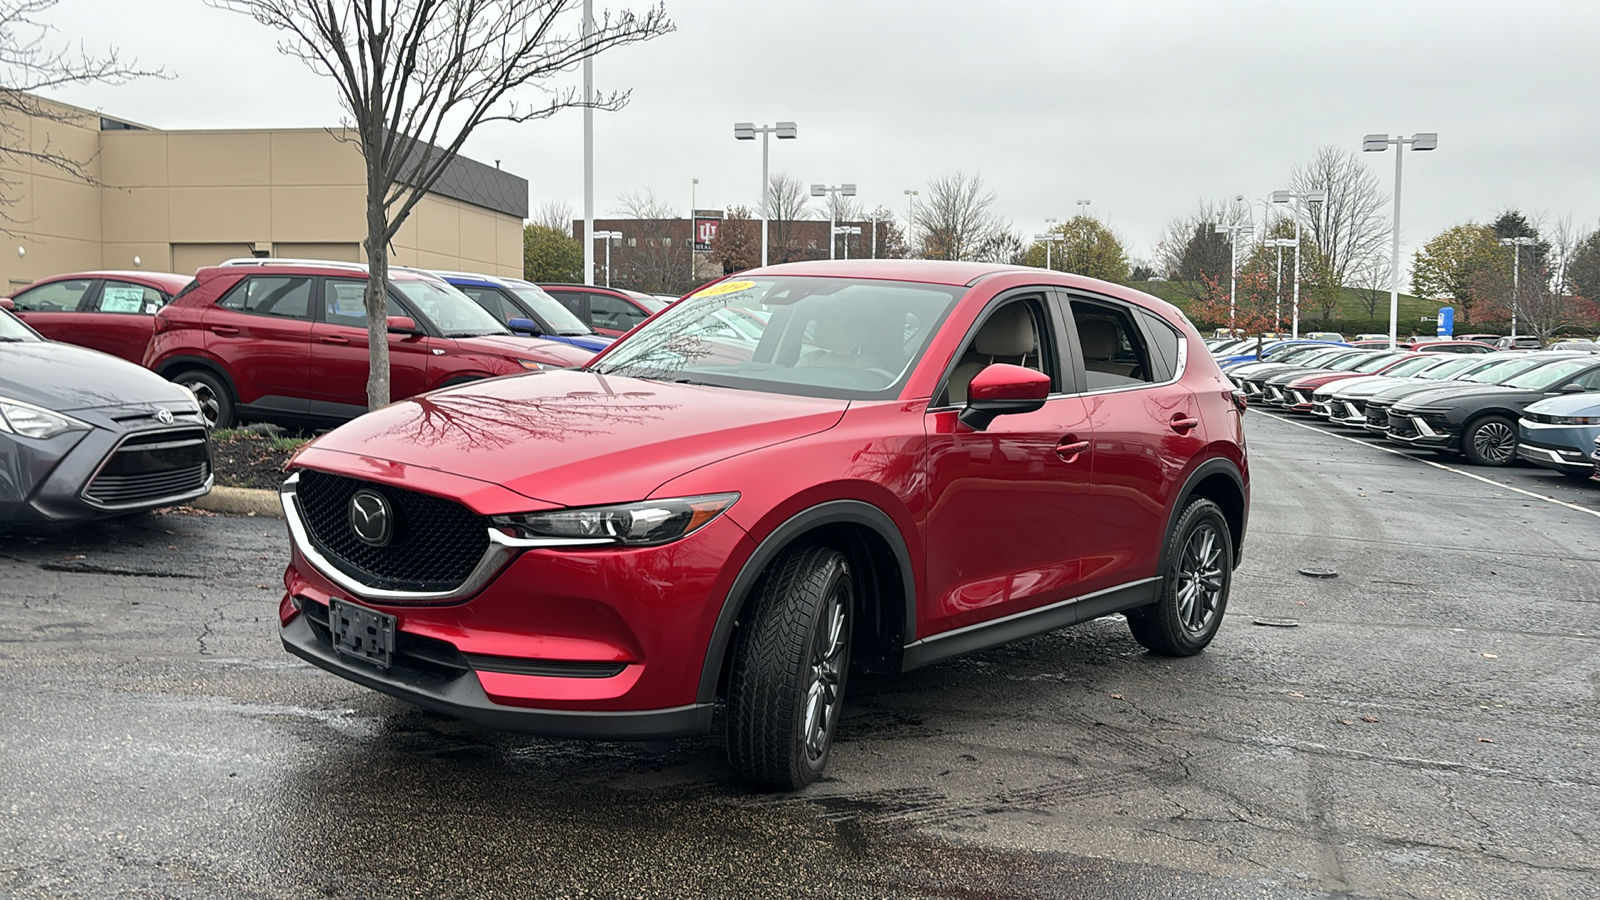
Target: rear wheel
1194, 588
1490, 441
216, 401
786, 688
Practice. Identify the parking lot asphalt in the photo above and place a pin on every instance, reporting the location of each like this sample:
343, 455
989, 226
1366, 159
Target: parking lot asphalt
1421, 725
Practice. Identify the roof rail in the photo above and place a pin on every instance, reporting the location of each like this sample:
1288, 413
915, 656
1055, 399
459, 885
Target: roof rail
446, 273
285, 261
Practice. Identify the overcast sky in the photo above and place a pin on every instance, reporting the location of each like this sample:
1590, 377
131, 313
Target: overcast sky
1143, 108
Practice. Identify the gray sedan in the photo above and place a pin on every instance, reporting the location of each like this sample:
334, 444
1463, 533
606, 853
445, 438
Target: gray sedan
85, 435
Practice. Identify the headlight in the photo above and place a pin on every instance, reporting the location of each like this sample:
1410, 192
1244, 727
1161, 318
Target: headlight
32, 421
1574, 420
644, 524
530, 365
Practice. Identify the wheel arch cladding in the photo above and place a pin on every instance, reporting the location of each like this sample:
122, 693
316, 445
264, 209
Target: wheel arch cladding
176, 366
1217, 480
876, 551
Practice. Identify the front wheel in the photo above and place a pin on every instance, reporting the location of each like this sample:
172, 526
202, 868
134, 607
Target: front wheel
1194, 587
791, 655
1490, 441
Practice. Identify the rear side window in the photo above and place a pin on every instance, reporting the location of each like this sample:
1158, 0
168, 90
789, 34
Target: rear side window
58, 296
1114, 353
125, 297
283, 296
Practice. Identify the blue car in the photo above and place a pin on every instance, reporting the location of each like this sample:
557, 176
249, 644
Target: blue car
1560, 433
1269, 350
526, 309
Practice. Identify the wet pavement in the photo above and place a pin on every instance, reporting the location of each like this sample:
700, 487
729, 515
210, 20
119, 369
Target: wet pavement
1427, 728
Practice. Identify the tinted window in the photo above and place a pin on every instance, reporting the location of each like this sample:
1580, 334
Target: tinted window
491, 301
54, 297
344, 302
611, 312
284, 296
452, 311
1165, 340
123, 297
1114, 354
1589, 381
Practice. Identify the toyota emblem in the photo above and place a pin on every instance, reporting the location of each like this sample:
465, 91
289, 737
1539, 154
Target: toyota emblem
163, 415
371, 518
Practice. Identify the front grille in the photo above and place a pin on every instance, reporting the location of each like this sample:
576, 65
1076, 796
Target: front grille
1377, 416
435, 544
1299, 397
1402, 426
152, 467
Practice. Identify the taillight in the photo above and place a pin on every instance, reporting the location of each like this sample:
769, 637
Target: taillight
161, 324
1240, 401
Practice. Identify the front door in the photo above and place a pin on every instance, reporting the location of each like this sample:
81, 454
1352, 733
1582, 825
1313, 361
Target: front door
340, 354
1009, 507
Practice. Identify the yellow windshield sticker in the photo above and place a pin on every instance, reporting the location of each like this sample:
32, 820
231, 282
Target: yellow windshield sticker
725, 287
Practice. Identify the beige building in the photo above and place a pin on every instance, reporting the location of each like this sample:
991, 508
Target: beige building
174, 201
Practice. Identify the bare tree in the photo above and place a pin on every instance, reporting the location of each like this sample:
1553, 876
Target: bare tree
28, 64
1190, 250
956, 220
655, 256
556, 214
417, 77
787, 202
1546, 301
1350, 227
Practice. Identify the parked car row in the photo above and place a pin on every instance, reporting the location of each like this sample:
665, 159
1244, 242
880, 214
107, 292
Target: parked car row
1541, 407
286, 340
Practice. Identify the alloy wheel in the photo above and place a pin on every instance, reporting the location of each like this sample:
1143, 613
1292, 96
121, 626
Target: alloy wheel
210, 405
826, 674
1200, 578
1495, 442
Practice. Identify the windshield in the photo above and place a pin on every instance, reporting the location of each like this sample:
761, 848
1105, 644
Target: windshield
1375, 363
454, 313
1454, 367
558, 317
1412, 366
1230, 345
652, 304
12, 329
1290, 351
821, 337
1351, 362
1504, 369
1548, 375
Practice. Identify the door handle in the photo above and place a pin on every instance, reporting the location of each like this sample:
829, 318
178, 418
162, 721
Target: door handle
1181, 422
1069, 448
224, 329
334, 339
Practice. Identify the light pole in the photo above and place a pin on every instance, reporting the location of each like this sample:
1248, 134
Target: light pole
1296, 197
1049, 237
588, 147
1277, 303
1377, 143
847, 230
1083, 207
1516, 244
837, 190
746, 131
608, 237
911, 204
1233, 232
875, 233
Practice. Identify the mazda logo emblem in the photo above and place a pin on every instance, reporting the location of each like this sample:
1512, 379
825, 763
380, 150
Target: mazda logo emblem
164, 415
371, 518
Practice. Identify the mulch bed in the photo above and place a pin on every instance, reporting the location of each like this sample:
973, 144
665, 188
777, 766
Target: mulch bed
249, 460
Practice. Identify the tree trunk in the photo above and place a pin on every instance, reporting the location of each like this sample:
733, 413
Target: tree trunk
376, 295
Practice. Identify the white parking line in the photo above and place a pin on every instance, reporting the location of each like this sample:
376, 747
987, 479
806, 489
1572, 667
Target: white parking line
1429, 462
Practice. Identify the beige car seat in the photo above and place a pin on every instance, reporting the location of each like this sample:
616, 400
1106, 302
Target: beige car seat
839, 346
1099, 339
1008, 337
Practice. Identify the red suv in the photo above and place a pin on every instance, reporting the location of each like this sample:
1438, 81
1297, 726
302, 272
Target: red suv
113, 312
287, 340
914, 460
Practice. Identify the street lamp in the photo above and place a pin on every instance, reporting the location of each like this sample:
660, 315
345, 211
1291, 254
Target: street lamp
841, 190
746, 131
1516, 244
1377, 143
608, 237
588, 144
1277, 303
1049, 237
847, 230
911, 203
1297, 197
1083, 207
1233, 232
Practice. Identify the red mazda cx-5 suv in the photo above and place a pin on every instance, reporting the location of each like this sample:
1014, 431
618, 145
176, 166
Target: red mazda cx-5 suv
914, 460
287, 340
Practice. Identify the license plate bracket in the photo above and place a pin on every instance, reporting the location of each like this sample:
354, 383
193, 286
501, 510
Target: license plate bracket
365, 634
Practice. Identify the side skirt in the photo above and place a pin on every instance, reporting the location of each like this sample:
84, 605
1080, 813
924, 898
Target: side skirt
1030, 622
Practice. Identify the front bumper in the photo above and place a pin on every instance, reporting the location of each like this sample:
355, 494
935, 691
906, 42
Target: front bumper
1419, 431
55, 479
1565, 448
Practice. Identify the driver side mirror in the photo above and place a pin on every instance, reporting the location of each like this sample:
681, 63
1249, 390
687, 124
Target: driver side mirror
1002, 389
403, 325
7, 305
1574, 388
523, 326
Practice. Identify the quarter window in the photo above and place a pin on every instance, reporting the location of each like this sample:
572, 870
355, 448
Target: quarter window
286, 297
1164, 340
58, 296
1114, 354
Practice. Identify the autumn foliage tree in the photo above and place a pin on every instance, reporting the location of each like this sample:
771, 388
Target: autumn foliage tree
737, 245
1086, 247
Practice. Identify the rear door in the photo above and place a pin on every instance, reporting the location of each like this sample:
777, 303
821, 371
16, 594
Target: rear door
261, 329
53, 309
119, 318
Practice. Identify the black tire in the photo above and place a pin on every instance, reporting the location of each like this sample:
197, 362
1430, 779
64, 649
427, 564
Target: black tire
1193, 595
1490, 441
216, 401
790, 659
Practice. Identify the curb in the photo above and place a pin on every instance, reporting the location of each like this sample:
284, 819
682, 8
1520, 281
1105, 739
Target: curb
240, 502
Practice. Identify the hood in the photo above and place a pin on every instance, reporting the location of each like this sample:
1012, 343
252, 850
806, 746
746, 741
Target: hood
577, 438
555, 353
1448, 395
1367, 386
591, 342
1568, 405
64, 378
